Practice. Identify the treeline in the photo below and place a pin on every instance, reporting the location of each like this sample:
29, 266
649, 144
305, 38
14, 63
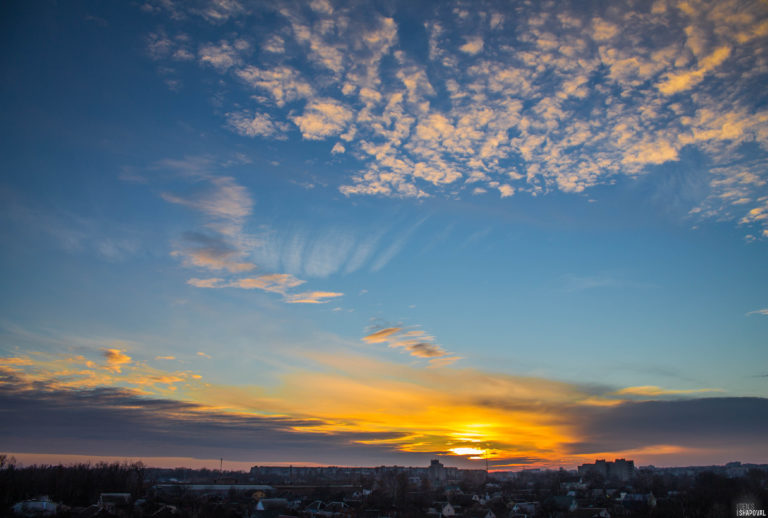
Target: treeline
79, 484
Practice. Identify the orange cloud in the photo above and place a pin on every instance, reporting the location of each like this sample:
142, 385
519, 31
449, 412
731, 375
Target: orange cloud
276, 282
682, 81
78, 372
652, 391
311, 297
15, 361
463, 412
115, 359
416, 342
273, 283
381, 335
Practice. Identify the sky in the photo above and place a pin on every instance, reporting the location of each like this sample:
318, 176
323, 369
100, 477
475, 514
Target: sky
365, 233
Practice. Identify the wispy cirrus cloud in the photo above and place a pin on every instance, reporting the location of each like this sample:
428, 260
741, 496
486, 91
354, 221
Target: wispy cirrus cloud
763, 311
312, 251
225, 199
415, 341
110, 240
225, 246
276, 283
312, 297
652, 391
212, 252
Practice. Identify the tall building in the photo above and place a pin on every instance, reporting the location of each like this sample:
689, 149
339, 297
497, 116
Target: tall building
436, 472
622, 469
619, 469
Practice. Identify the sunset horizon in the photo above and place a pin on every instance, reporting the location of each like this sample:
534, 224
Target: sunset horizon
526, 235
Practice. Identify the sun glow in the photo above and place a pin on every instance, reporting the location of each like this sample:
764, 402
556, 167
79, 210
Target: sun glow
467, 451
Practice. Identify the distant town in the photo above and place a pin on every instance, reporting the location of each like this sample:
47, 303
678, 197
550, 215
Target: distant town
601, 489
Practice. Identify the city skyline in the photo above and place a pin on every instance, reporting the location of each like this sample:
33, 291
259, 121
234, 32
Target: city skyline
344, 233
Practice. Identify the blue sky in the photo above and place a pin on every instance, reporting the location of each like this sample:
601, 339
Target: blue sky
317, 212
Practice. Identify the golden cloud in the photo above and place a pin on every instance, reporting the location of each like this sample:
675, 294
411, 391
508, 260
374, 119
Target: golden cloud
115, 359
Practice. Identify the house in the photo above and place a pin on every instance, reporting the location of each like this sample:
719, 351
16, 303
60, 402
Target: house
270, 507
525, 508
41, 506
111, 502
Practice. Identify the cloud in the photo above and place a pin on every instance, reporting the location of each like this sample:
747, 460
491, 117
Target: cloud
327, 252
382, 335
224, 200
104, 238
308, 250
323, 118
415, 341
444, 361
225, 247
283, 83
421, 349
276, 282
223, 55
16, 361
654, 391
115, 359
59, 371
416, 411
311, 297
214, 282
738, 189
219, 11
47, 420
557, 101
759, 312
472, 46
257, 125
506, 190
275, 44
697, 423
682, 81
389, 253
161, 46
212, 252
